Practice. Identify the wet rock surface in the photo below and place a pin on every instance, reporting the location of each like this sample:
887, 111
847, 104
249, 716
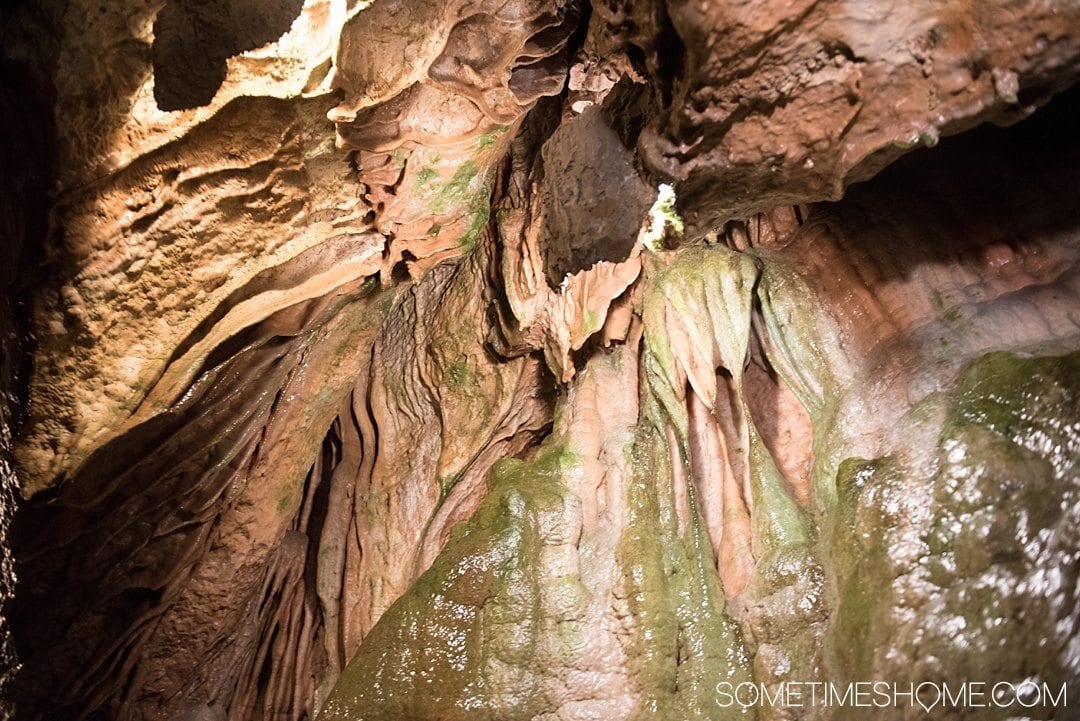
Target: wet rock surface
377, 377
990, 553
783, 102
593, 199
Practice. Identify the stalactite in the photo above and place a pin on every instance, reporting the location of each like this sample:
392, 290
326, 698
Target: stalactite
533, 360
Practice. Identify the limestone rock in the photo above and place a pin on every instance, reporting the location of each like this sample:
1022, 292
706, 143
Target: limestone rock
504, 359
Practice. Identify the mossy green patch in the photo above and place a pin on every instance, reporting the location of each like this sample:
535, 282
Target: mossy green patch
486, 140
458, 377
469, 638
466, 192
859, 556
285, 498
710, 289
456, 190
479, 213
1017, 397
425, 177
591, 322
967, 550
778, 519
684, 643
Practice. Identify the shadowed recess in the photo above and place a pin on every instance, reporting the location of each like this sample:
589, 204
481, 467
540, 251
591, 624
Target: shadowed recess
594, 200
194, 38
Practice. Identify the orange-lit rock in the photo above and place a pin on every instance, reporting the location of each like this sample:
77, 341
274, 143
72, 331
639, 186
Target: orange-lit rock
526, 360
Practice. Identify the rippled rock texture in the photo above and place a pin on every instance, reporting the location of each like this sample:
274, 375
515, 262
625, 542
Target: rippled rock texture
507, 359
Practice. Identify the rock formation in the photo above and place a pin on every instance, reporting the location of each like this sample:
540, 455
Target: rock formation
506, 359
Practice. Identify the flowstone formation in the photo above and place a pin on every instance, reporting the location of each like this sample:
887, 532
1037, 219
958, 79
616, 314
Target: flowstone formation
506, 359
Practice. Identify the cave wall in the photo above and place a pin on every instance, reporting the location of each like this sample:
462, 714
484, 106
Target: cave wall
362, 381
26, 155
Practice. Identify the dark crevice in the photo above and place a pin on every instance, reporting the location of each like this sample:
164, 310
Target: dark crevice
670, 59
194, 38
626, 109
593, 197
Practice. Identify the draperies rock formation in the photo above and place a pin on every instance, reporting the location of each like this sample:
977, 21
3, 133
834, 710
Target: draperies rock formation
359, 363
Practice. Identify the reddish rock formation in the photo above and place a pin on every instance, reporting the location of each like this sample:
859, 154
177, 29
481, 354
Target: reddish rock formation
365, 383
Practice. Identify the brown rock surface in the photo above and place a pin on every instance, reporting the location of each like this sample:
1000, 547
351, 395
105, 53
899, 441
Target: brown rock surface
774, 103
358, 352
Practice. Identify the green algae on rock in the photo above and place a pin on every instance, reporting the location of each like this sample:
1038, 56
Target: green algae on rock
477, 633
931, 571
683, 641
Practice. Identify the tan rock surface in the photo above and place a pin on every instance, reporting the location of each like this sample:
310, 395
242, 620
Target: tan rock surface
370, 357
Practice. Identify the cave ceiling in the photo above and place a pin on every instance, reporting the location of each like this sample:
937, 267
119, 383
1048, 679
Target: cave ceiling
536, 360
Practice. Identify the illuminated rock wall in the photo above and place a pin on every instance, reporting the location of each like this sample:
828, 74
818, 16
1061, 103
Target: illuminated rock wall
531, 360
